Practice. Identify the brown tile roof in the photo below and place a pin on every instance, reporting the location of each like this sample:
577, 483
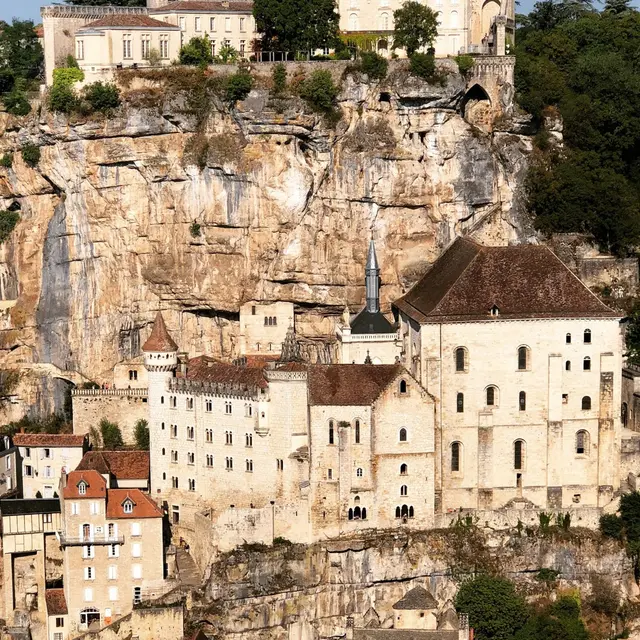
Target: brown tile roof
56, 603
349, 384
96, 485
205, 6
48, 440
205, 369
143, 505
523, 281
417, 598
159, 340
123, 465
125, 21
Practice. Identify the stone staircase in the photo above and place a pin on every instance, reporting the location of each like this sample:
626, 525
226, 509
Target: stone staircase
188, 574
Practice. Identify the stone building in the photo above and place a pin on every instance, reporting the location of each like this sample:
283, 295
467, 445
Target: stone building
124, 469
57, 614
369, 337
112, 547
525, 365
263, 327
44, 458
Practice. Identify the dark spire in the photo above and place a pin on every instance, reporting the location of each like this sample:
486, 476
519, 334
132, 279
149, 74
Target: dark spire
372, 280
367, 360
290, 347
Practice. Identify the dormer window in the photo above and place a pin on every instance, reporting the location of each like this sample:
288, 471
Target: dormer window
127, 506
495, 312
82, 487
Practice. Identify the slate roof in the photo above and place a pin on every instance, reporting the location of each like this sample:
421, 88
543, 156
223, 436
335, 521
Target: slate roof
48, 440
96, 485
159, 340
184, 6
417, 598
349, 384
36, 505
204, 369
56, 603
127, 21
523, 281
123, 465
144, 506
367, 322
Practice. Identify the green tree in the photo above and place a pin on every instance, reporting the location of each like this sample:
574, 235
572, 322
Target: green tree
16, 101
279, 77
292, 26
141, 435
416, 26
238, 86
110, 434
197, 52
374, 65
496, 611
20, 50
617, 6
319, 91
227, 54
102, 96
423, 65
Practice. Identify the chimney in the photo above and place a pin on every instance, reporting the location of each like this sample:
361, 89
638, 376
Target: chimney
349, 628
21, 429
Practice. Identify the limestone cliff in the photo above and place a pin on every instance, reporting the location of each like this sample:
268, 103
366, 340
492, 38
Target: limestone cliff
285, 203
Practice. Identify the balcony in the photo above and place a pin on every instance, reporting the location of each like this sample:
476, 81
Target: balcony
80, 541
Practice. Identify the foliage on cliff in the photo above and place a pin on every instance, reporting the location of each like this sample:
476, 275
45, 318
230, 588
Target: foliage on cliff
582, 64
415, 26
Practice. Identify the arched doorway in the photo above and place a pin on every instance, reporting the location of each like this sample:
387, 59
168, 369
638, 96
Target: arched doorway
476, 108
490, 9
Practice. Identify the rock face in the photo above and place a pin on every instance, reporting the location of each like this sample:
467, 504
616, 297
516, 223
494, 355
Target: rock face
283, 206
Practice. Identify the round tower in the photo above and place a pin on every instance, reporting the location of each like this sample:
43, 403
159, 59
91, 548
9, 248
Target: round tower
161, 360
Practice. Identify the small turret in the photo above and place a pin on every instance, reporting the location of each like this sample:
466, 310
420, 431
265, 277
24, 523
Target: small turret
160, 351
372, 280
290, 347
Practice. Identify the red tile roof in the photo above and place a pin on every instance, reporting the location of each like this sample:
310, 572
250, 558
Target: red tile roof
349, 384
523, 281
205, 6
159, 340
125, 21
96, 485
203, 369
143, 505
56, 603
48, 440
123, 465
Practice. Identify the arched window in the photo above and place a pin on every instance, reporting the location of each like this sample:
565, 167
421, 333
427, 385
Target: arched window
364, 513
359, 472
586, 364
522, 401
587, 336
266, 321
404, 470
567, 365
397, 512
356, 500
330, 431
586, 403
350, 514
411, 512
163, 453
523, 358
568, 338
353, 22
403, 490
582, 442
356, 513
402, 436
453, 20
455, 456
403, 386
461, 359
624, 414
518, 455
357, 431
384, 22
460, 403
404, 512
492, 396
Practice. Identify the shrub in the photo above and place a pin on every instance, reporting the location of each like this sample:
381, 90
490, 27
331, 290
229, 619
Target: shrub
279, 76
423, 65
374, 65
195, 230
154, 57
319, 91
71, 62
464, 63
547, 575
239, 85
7, 80
31, 154
16, 101
6, 161
197, 52
227, 55
67, 75
605, 595
8, 221
62, 98
611, 526
102, 96
110, 434
141, 434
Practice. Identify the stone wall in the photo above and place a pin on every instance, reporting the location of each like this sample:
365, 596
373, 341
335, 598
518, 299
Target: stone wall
122, 406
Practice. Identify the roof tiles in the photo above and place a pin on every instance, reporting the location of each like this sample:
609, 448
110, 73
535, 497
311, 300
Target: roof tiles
56, 602
159, 340
205, 7
48, 440
123, 465
124, 21
96, 485
204, 369
143, 505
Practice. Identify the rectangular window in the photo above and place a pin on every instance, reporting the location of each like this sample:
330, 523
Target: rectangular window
209, 435
189, 403
113, 572
242, 22
213, 48
89, 573
208, 406
174, 457
173, 402
329, 474
248, 440
191, 433
113, 593
191, 458
249, 466
136, 571
88, 595
59, 623
164, 46
198, 23
228, 408
242, 48
174, 430
175, 514
28, 470
113, 551
229, 464
183, 23
136, 529
192, 484
74, 509
209, 461
174, 482
95, 508
48, 472
47, 453
88, 551
126, 46
8, 462
146, 48
137, 595
227, 24
212, 24
27, 452
47, 518
136, 550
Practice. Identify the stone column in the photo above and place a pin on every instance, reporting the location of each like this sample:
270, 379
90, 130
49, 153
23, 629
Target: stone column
500, 40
